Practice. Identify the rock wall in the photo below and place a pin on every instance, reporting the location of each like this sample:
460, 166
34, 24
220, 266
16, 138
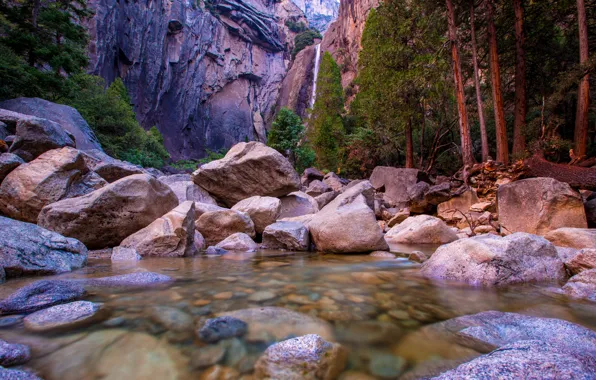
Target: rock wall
320, 13
296, 89
206, 74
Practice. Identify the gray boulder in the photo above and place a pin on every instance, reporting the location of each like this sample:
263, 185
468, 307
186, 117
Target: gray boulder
64, 317
297, 204
262, 210
311, 174
238, 242
135, 280
291, 236
395, 183
421, 229
220, 328
109, 168
186, 190
40, 295
8, 162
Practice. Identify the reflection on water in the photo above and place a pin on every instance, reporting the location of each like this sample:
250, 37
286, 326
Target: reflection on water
376, 308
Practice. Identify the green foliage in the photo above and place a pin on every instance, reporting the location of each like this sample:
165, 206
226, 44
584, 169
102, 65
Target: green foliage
327, 133
110, 115
213, 156
296, 27
185, 165
287, 137
304, 39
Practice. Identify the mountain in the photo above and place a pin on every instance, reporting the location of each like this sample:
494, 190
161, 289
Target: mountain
320, 13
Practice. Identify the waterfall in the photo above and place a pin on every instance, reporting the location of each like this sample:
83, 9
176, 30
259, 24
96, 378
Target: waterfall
315, 76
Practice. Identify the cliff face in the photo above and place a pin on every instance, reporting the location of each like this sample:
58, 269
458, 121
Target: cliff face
320, 13
207, 76
343, 38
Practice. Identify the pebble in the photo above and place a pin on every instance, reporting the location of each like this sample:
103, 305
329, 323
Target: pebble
223, 296
299, 299
261, 296
228, 279
201, 302
272, 264
171, 318
219, 373
386, 366
399, 314
64, 317
220, 328
207, 356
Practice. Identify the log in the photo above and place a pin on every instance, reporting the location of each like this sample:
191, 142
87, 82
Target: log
576, 176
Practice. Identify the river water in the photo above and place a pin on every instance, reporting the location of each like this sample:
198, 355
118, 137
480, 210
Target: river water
374, 307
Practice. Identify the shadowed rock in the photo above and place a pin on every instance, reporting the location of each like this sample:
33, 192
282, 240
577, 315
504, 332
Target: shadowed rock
262, 210
8, 163
291, 236
63, 317
220, 328
17, 374
41, 294
13, 354
109, 168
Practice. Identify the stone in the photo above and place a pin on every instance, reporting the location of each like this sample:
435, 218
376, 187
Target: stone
386, 366
109, 168
17, 374
395, 183
489, 260
382, 255
64, 317
326, 198
437, 194
248, 169
125, 254
539, 205
418, 203
334, 182
171, 318
297, 204
238, 242
263, 211
262, 296
67, 117
218, 372
186, 190
40, 295
26, 249
453, 209
348, 224
215, 226
136, 280
202, 208
214, 251
582, 285
590, 208
107, 216
171, 235
267, 324
399, 217
13, 354
199, 241
481, 206
421, 229
572, 237
291, 236
54, 175
220, 328
311, 174
8, 162
580, 260
208, 355
304, 357
418, 257
317, 188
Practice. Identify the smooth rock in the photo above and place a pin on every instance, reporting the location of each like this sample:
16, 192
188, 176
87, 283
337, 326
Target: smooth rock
291, 236
262, 210
215, 226
128, 281
395, 183
582, 285
439, 193
8, 162
171, 318
573, 237
109, 168
13, 354
539, 205
40, 295
208, 355
326, 198
171, 235
65, 317
125, 254
386, 366
262, 296
382, 255
202, 208
311, 174
297, 204
248, 169
186, 190
220, 328
317, 188
334, 182
580, 260
238, 242
399, 217
26, 249
421, 229
489, 260
304, 357
107, 216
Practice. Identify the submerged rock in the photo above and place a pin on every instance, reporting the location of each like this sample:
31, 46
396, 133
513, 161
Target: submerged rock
215, 226
13, 354
291, 236
248, 169
26, 249
238, 242
65, 317
304, 357
490, 260
172, 318
107, 216
262, 210
421, 229
40, 295
220, 328
128, 281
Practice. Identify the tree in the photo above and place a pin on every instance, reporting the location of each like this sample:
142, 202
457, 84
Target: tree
521, 101
287, 137
483, 134
495, 75
583, 94
326, 125
464, 130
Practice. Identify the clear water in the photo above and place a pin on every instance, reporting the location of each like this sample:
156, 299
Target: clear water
375, 308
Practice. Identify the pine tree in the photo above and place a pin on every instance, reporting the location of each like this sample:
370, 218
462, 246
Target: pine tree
287, 135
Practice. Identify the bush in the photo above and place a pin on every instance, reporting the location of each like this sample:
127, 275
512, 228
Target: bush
305, 39
213, 156
286, 135
296, 27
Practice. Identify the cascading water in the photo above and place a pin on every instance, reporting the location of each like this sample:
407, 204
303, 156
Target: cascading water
315, 76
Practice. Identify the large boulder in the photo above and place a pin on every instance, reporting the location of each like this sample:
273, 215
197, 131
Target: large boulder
304, 357
238, 242
69, 118
54, 175
335, 182
26, 249
106, 216
215, 226
348, 223
171, 235
489, 260
34, 136
580, 260
186, 190
317, 188
311, 174
539, 205
573, 237
262, 210
248, 169
109, 168
8, 163
291, 236
395, 183
582, 285
455, 208
297, 204
421, 229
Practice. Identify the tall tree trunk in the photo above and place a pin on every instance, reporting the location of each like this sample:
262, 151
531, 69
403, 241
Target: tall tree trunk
409, 145
521, 102
34, 22
583, 93
483, 135
422, 132
464, 129
495, 75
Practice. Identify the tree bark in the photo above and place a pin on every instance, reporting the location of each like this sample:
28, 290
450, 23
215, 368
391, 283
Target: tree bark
575, 176
422, 132
495, 75
464, 129
521, 103
409, 145
583, 93
483, 135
